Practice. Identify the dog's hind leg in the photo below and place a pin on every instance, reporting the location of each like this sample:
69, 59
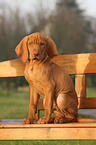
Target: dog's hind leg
66, 110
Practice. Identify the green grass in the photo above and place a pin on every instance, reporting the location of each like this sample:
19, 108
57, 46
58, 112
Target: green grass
48, 142
15, 106
91, 92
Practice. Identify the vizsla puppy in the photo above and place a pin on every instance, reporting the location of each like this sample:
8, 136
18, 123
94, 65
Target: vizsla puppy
48, 80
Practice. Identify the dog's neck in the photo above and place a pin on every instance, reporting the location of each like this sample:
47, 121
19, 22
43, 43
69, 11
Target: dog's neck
34, 62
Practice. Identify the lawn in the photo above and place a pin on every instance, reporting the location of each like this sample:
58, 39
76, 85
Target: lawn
91, 92
15, 106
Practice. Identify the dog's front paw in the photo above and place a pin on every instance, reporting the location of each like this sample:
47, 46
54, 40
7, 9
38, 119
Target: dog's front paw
27, 121
43, 120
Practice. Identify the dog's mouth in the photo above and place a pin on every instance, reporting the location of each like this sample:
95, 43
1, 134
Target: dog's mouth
35, 58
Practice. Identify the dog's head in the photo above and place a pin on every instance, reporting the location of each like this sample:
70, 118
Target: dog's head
36, 46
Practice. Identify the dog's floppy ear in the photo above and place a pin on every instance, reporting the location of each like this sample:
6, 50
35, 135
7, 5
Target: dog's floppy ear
21, 49
51, 48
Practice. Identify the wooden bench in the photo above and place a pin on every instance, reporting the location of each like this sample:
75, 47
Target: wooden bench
77, 64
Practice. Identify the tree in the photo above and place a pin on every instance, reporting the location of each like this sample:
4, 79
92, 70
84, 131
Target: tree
38, 22
92, 46
68, 28
70, 4
12, 29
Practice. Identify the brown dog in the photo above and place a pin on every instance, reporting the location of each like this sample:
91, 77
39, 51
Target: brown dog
48, 80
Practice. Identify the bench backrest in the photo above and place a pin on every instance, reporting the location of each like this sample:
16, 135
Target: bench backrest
74, 64
77, 64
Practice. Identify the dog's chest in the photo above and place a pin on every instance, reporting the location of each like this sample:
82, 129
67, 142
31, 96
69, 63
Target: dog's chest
34, 77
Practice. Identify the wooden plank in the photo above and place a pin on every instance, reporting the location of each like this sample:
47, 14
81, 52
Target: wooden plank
47, 131
80, 85
74, 64
87, 103
40, 104
17, 123
48, 134
77, 63
84, 103
12, 68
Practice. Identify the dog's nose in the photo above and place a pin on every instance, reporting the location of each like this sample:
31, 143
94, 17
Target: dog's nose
36, 53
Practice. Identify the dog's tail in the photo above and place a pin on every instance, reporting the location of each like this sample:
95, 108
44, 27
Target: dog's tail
82, 120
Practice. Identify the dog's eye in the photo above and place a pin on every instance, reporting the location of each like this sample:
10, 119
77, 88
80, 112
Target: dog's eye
42, 44
30, 43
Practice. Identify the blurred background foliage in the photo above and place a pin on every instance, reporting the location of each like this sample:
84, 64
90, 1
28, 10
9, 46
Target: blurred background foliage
72, 31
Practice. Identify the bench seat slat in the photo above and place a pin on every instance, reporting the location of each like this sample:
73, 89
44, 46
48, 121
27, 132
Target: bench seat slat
48, 131
6, 123
48, 134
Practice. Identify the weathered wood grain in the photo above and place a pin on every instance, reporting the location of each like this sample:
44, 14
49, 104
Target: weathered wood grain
84, 103
47, 131
48, 134
77, 63
12, 68
10, 123
87, 103
74, 64
80, 85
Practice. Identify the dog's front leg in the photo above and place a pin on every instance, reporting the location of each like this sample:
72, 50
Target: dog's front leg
49, 95
33, 100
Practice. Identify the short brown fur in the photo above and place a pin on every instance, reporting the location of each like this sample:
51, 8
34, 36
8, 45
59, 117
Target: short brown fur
48, 80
